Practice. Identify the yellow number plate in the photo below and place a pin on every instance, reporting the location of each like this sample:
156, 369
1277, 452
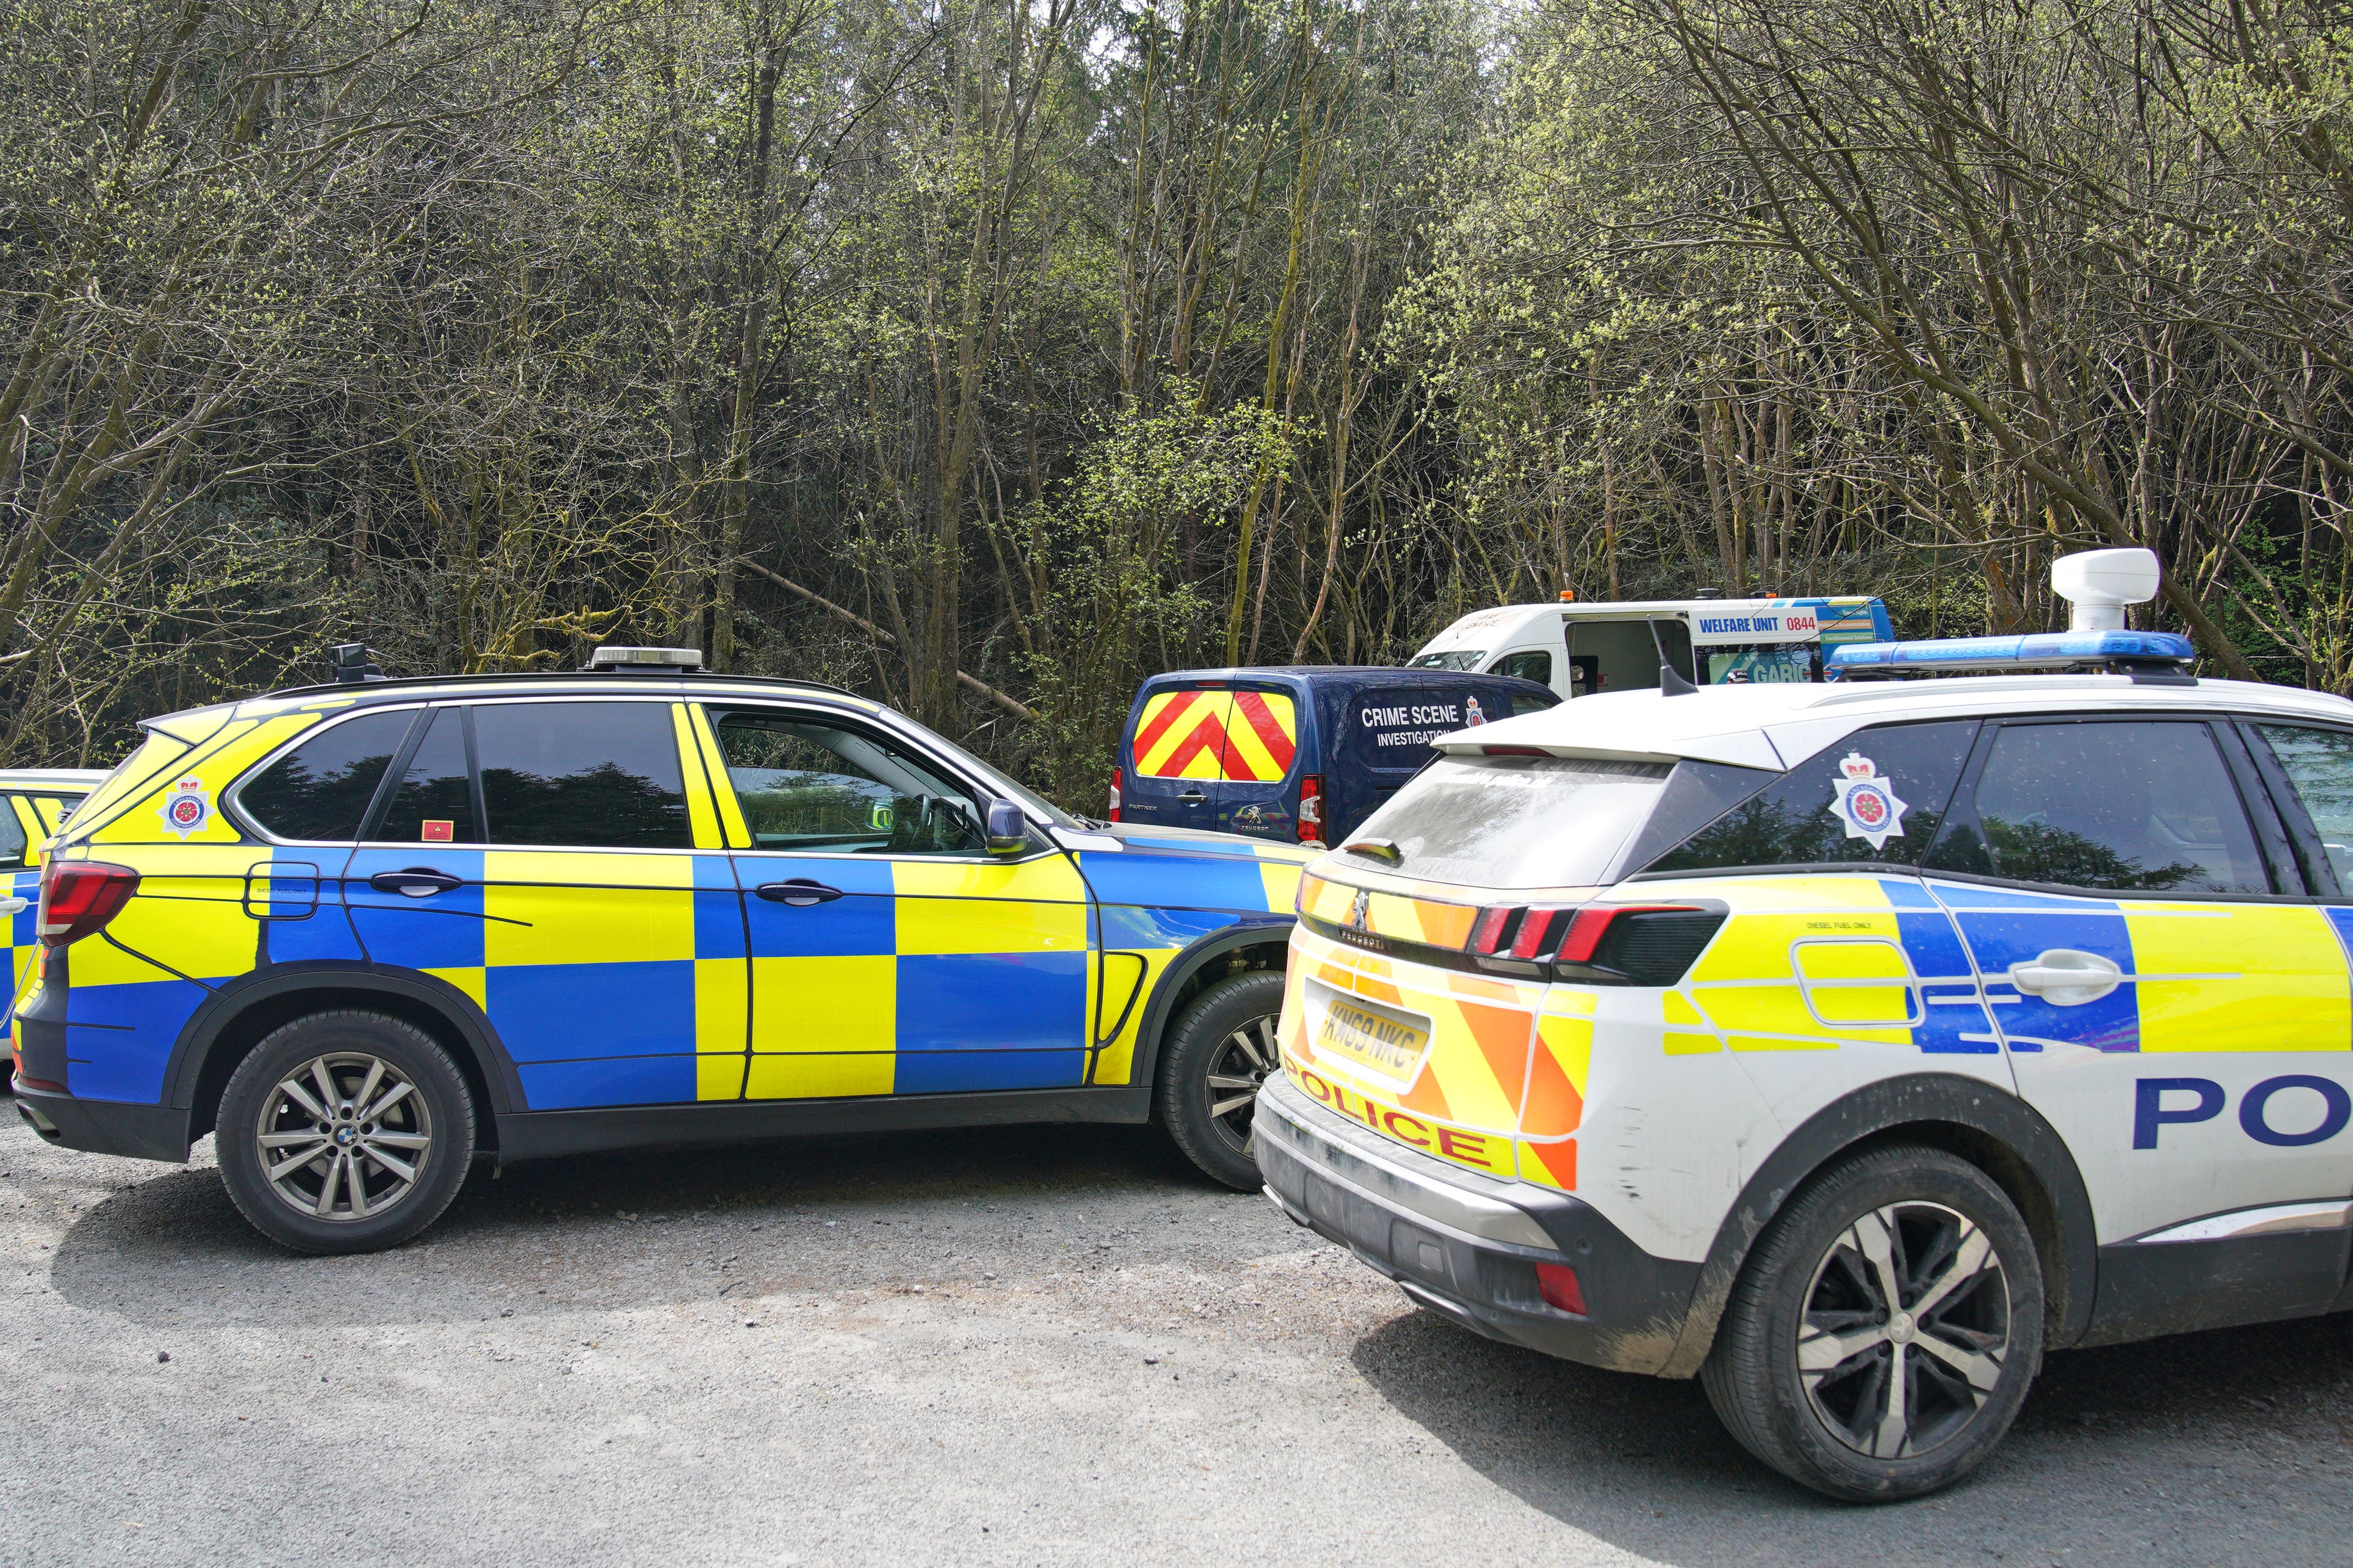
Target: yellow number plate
1388, 1049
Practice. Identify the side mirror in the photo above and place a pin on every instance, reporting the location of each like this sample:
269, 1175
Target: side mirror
1008, 831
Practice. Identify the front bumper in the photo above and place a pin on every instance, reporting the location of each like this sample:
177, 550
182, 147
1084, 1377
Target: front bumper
1466, 1246
104, 1126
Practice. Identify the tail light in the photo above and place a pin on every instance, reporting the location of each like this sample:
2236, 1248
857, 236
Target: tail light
1112, 814
1608, 944
1556, 1282
1311, 809
79, 897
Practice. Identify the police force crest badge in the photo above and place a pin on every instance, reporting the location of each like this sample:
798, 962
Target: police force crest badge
187, 809
1866, 803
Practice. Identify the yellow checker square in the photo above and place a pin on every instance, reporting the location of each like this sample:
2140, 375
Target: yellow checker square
1281, 882
719, 1078
819, 1076
722, 1004
1116, 1063
829, 1005
586, 924
203, 938
1835, 973
1780, 1009
2253, 977
950, 907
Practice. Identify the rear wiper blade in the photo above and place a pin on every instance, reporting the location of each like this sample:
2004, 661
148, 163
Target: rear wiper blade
1381, 850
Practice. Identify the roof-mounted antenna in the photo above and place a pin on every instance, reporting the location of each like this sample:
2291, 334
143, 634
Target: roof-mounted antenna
2099, 584
1671, 679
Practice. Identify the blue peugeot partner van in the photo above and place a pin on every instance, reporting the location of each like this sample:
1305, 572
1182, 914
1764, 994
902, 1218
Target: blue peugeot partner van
1300, 753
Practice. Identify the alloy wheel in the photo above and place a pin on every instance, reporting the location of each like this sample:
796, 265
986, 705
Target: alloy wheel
1238, 1068
1905, 1327
344, 1137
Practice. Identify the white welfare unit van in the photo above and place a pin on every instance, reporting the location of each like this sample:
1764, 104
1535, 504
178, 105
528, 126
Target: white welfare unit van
1579, 649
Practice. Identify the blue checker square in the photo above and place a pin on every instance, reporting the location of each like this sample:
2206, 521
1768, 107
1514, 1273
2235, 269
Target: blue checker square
630, 1080
566, 1012
848, 927
119, 1038
325, 933
718, 924
992, 1002
441, 936
1229, 883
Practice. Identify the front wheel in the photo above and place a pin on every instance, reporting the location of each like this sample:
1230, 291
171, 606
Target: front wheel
344, 1131
1218, 1053
1882, 1335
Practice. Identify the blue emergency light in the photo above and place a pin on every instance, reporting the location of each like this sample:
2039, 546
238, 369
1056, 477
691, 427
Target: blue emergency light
2149, 654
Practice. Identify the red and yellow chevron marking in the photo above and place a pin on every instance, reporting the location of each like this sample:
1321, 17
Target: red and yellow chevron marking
1247, 736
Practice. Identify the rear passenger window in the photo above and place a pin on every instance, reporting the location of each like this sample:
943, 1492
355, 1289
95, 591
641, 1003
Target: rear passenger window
1875, 798
320, 789
433, 803
2121, 808
2319, 765
597, 774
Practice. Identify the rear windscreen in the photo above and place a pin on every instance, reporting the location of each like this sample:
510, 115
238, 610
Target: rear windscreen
1246, 736
1516, 822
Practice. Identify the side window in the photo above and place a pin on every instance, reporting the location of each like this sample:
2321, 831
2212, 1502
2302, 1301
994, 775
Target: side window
1530, 664
2319, 765
603, 775
2122, 807
320, 789
1875, 798
434, 802
807, 785
12, 841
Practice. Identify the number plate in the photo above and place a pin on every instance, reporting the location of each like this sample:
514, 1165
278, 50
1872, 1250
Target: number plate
1384, 1047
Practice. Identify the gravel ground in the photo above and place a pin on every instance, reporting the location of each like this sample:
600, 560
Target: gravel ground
1025, 1346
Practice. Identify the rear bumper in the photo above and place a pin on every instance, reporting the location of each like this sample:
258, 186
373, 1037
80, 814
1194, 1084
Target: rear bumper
1466, 1246
104, 1126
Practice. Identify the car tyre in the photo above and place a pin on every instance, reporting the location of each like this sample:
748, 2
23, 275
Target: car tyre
1882, 1337
390, 1144
1220, 1049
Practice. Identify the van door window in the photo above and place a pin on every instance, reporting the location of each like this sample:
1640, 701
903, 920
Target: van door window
2122, 808
1529, 664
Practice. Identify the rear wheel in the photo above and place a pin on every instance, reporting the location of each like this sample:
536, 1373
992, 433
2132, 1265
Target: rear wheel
1882, 1337
1218, 1054
344, 1132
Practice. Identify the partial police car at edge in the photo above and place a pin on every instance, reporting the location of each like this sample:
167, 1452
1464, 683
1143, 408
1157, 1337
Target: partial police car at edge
37, 802
1848, 1046
365, 931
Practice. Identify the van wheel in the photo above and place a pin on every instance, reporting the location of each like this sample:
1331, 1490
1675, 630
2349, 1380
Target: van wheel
344, 1132
1882, 1337
1221, 1049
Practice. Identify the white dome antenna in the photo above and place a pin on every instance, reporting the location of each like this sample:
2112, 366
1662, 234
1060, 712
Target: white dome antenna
2101, 583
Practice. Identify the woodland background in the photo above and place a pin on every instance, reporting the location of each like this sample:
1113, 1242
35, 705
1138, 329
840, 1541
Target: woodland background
988, 355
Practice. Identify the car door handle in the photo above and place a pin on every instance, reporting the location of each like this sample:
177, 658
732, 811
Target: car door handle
798, 892
15, 906
2066, 978
1192, 797
416, 882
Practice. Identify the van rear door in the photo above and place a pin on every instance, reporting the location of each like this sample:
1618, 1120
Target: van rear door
1175, 751
1257, 792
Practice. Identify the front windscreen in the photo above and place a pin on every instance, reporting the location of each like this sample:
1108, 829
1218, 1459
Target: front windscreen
1513, 822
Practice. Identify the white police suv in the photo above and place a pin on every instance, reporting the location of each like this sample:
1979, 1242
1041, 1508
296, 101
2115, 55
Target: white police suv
1848, 1046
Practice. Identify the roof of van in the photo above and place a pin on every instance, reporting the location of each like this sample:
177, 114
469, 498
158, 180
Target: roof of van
1777, 726
1480, 628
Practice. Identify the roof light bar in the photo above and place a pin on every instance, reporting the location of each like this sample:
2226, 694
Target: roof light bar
646, 658
2129, 653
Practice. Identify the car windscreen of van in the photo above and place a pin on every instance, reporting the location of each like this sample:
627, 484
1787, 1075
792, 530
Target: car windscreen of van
1516, 822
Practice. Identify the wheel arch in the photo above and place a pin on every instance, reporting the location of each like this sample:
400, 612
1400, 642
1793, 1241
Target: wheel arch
1975, 1121
1237, 949
241, 1014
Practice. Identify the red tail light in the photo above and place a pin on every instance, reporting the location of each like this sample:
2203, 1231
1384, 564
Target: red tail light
1653, 952
1557, 1282
79, 897
1113, 816
1311, 809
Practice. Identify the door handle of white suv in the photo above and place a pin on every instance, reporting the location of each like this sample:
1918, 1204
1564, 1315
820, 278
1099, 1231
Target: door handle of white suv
15, 906
2066, 978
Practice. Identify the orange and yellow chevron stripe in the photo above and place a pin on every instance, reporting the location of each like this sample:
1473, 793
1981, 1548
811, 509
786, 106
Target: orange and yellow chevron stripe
1250, 736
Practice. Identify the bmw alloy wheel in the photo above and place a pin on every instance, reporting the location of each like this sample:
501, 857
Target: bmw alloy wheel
344, 1137
1905, 1326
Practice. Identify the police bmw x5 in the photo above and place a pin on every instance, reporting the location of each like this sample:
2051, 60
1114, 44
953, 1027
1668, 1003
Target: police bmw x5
366, 932
1848, 1046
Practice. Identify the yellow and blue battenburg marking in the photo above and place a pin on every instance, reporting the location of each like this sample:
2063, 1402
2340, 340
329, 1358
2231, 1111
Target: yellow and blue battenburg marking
636, 977
2225, 976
